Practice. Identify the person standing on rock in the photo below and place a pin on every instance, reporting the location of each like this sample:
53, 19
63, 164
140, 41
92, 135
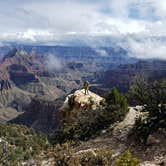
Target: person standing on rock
86, 87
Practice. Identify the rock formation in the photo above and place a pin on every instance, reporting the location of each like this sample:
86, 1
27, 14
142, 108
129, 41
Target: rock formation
41, 115
78, 100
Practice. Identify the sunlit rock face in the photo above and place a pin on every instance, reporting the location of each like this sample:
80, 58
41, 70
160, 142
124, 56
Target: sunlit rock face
80, 100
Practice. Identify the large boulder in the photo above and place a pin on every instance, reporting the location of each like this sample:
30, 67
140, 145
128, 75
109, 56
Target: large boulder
78, 100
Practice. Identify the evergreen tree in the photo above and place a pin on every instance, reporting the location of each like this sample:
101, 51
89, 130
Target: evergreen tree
152, 96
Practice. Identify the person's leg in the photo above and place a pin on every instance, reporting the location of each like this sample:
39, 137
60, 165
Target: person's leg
2, 84
86, 91
6, 85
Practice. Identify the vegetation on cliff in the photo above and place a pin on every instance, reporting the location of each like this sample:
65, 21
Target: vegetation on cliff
19, 143
152, 96
126, 159
88, 123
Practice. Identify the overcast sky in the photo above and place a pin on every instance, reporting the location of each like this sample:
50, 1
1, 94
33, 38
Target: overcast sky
141, 22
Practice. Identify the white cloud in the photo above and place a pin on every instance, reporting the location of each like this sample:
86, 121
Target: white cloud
159, 8
120, 8
28, 36
53, 63
101, 52
64, 21
32, 34
146, 48
70, 16
123, 26
67, 16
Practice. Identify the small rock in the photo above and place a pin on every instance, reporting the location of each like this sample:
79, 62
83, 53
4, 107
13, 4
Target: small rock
138, 108
148, 163
152, 140
163, 163
104, 131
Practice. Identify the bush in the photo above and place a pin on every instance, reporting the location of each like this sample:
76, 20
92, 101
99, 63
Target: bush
22, 143
126, 159
152, 96
83, 125
64, 155
100, 157
116, 105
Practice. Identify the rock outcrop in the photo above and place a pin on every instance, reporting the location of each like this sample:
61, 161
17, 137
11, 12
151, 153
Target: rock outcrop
78, 100
6, 114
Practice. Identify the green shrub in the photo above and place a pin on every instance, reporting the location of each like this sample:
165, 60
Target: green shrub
100, 157
61, 154
142, 129
152, 96
116, 106
126, 159
84, 125
64, 155
22, 143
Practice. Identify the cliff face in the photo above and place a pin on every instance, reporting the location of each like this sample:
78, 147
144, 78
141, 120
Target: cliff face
15, 98
41, 115
122, 76
20, 75
19, 83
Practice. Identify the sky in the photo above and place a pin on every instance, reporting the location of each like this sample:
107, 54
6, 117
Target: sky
137, 25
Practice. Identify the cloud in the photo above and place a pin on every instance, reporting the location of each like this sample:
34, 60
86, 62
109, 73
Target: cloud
64, 17
113, 17
28, 36
101, 52
159, 8
146, 48
53, 63
93, 22
120, 8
